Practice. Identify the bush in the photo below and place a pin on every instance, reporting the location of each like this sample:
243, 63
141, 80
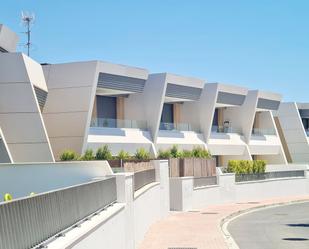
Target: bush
142, 154
175, 153
103, 153
246, 166
259, 166
8, 197
164, 154
88, 155
123, 155
186, 154
69, 155
200, 152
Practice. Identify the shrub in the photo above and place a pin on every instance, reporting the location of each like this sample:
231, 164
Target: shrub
142, 154
103, 153
8, 197
164, 154
246, 166
123, 155
69, 155
259, 166
186, 154
200, 152
175, 153
88, 155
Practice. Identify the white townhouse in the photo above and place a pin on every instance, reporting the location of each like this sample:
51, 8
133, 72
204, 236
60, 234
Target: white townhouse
48, 108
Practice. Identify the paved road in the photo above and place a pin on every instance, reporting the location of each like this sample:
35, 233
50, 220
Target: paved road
285, 227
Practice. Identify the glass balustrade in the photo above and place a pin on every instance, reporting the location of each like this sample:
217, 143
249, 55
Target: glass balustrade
178, 127
118, 123
262, 132
225, 129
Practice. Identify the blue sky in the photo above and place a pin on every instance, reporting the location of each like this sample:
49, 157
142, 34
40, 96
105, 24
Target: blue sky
258, 44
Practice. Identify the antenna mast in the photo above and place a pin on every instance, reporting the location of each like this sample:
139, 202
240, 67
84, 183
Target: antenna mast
28, 20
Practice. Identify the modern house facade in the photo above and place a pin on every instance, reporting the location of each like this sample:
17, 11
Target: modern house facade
293, 122
83, 105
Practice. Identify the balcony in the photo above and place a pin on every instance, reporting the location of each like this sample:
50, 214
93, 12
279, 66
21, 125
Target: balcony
178, 127
225, 129
263, 132
118, 123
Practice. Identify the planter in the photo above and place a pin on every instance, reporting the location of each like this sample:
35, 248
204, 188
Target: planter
131, 165
197, 167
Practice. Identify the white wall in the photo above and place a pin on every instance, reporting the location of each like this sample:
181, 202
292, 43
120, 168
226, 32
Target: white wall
123, 227
21, 179
20, 116
184, 197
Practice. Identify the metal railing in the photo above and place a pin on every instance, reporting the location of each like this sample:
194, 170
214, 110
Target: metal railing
142, 178
225, 129
27, 222
269, 175
178, 127
261, 132
204, 181
118, 123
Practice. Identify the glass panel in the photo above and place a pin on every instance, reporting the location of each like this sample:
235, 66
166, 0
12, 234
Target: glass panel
118, 123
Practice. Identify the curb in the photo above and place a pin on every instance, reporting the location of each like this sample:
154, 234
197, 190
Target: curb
231, 244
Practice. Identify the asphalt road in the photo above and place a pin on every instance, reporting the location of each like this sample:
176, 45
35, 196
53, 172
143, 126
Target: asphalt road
285, 227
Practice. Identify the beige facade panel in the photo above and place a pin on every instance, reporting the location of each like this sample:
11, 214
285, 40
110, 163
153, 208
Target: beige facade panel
77, 74
32, 152
65, 124
60, 144
68, 100
9, 103
20, 116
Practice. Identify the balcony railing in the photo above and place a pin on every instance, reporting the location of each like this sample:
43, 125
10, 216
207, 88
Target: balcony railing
27, 222
118, 123
178, 127
261, 132
225, 129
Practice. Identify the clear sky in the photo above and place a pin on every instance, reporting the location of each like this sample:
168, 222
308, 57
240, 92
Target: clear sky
261, 44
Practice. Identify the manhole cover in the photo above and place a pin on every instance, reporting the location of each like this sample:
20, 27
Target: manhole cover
253, 202
281, 214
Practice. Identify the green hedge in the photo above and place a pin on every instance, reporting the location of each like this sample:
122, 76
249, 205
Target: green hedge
246, 166
104, 153
174, 152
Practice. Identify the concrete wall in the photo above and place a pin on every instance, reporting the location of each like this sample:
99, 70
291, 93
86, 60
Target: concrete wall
184, 197
123, 225
21, 179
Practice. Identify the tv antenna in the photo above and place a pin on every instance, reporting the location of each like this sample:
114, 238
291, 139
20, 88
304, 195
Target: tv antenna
28, 20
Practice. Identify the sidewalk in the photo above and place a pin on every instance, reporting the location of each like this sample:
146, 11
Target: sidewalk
199, 228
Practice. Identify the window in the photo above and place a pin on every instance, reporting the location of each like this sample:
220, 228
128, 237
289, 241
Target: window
107, 111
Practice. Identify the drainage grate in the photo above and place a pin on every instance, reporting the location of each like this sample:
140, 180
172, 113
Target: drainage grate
192, 211
209, 213
182, 248
253, 202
